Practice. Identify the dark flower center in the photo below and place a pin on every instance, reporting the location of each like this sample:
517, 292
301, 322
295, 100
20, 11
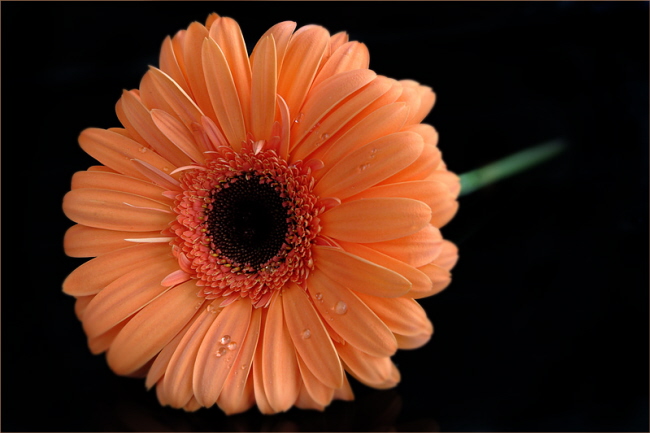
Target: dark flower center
248, 222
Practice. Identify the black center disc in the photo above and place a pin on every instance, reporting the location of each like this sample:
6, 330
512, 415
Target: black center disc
248, 223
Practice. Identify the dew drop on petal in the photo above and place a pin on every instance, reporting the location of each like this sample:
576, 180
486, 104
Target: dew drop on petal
143, 149
306, 334
319, 296
225, 339
220, 352
232, 345
341, 308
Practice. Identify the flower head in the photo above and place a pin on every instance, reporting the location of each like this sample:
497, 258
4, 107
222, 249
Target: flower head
261, 224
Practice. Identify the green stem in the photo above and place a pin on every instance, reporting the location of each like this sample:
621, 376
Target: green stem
508, 166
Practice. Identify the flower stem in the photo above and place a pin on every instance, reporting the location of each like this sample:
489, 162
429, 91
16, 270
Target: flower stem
510, 165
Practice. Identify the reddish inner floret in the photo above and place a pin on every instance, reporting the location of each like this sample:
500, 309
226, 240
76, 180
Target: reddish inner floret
245, 224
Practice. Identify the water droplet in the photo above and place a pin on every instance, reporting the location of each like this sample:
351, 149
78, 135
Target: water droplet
341, 308
220, 352
306, 334
232, 345
243, 366
211, 309
225, 339
319, 296
363, 167
198, 305
143, 149
299, 118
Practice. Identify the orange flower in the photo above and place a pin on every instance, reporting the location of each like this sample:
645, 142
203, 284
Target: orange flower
263, 224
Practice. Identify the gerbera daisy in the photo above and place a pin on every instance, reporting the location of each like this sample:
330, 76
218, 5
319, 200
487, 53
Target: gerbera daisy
261, 224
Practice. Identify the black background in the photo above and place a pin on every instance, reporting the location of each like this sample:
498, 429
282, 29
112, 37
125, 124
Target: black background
545, 326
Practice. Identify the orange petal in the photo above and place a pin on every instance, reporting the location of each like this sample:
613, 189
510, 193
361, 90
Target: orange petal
310, 338
83, 241
358, 274
264, 89
448, 256
281, 33
440, 279
125, 296
140, 118
375, 219
370, 370
421, 169
116, 151
237, 393
152, 328
412, 341
181, 103
419, 98
402, 316
178, 134
195, 72
169, 65
226, 33
325, 97
258, 380
219, 349
95, 274
448, 178
306, 401
332, 125
370, 165
418, 279
349, 316
118, 182
300, 64
115, 210
382, 122
279, 365
320, 393
102, 342
161, 362
416, 250
347, 57
177, 381
80, 305
223, 93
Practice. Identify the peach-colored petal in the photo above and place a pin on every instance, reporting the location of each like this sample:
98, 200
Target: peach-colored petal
448, 178
169, 65
219, 349
413, 341
300, 64
191, 44
417, 249
346, 57
264, 89
331, 126
342, 310
177, 381
101, 343
420, 282
95, 274
115, 210
310, 338
152, 328
345, 392
358, 274
369, 165
125, 296
117, 151
118, 182
161, 362
226, 33
163, 180
281, 33
223, 94
368, 369
319, 393
402, 316
180, 102
386, 120
375, 219
261, 399
440, 279
237, 393
178, 134
420, 100
84, 241
80, 305
279, 364
448, 256
306, 401
324, 97
140, 118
